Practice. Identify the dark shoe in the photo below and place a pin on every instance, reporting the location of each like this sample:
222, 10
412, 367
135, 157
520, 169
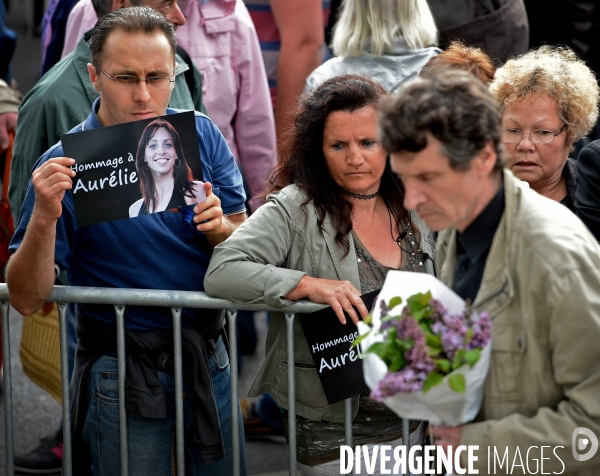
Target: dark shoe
45, 459
254, 427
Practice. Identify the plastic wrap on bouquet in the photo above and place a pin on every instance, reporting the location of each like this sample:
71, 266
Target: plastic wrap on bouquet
440, 404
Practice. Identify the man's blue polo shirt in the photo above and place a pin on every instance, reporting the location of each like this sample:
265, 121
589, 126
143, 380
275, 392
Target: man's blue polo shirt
154, 251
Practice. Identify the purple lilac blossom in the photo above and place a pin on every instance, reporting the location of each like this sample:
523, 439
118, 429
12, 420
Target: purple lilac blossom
452, 330
406, 380
482, 331
419, 363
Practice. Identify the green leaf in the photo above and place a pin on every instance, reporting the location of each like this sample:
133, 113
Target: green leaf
384, 352
419, 300
472, 356
434, 352
368, 319
426, 327
398, 362
469, 336
458, 383
405, 344
433, 379
433, 341
443, 365
377, 348
419, 314
458, 359
360, 338
395, 301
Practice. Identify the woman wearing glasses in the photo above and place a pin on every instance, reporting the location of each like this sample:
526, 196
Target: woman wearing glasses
550, 101
332, 227
166, 180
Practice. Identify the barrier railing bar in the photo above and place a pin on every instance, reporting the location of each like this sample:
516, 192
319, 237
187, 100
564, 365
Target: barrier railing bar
348, 424
289, 319
158, 298
64, 376
406, 441
120, 314
161, 298
8, 406
233, 368
178, 364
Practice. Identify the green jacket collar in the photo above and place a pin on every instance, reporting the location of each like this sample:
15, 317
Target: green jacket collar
81, 57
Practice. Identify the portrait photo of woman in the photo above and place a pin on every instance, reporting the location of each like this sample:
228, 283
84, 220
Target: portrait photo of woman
166, 180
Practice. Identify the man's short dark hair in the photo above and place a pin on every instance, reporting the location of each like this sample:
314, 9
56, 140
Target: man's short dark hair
130, 20
454, 107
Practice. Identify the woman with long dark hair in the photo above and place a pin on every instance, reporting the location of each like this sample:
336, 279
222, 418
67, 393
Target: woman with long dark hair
332, 227
166, 180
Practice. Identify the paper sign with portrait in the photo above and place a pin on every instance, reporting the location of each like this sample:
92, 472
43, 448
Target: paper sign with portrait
135, 168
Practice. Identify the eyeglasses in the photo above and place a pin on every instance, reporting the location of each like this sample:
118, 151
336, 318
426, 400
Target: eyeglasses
127, 81
539, 137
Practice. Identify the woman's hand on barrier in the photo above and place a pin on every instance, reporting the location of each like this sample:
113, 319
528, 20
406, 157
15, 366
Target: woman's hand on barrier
340, 295
50, 181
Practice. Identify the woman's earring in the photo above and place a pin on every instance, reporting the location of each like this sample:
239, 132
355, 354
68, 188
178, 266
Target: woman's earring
177, 162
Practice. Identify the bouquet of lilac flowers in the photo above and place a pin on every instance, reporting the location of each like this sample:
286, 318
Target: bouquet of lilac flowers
425, 357
424, 343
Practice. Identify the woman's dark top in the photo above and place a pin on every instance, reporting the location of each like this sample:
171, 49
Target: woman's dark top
569, 173
587, 197
177, 200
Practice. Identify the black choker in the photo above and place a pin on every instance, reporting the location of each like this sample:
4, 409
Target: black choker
360, 196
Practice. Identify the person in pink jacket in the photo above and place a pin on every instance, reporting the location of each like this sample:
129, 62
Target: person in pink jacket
222, 42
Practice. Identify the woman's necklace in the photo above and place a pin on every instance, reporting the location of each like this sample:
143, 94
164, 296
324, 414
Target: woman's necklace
360, 196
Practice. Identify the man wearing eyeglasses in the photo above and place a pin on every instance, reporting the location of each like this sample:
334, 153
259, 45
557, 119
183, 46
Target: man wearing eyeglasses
525, 259
63, 96
60, 100
133, 64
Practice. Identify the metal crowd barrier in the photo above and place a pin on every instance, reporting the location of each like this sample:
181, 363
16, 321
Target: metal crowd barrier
176, 300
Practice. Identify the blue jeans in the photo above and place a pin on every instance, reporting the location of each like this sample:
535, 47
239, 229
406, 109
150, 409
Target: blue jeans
150, 440
268, 411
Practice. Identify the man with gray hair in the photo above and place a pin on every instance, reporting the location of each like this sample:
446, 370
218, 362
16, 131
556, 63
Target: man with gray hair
133, 67
525, 259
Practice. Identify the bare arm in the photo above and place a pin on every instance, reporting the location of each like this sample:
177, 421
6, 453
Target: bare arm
8, 123
9, 113
300, 24
30, 274
217, 227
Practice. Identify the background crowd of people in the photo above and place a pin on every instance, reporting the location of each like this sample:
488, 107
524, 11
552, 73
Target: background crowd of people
331, 209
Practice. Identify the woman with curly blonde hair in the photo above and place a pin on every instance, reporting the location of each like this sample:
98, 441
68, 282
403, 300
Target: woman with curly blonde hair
549, 99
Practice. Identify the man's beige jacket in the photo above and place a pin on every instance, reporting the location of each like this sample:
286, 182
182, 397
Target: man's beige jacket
541, 287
